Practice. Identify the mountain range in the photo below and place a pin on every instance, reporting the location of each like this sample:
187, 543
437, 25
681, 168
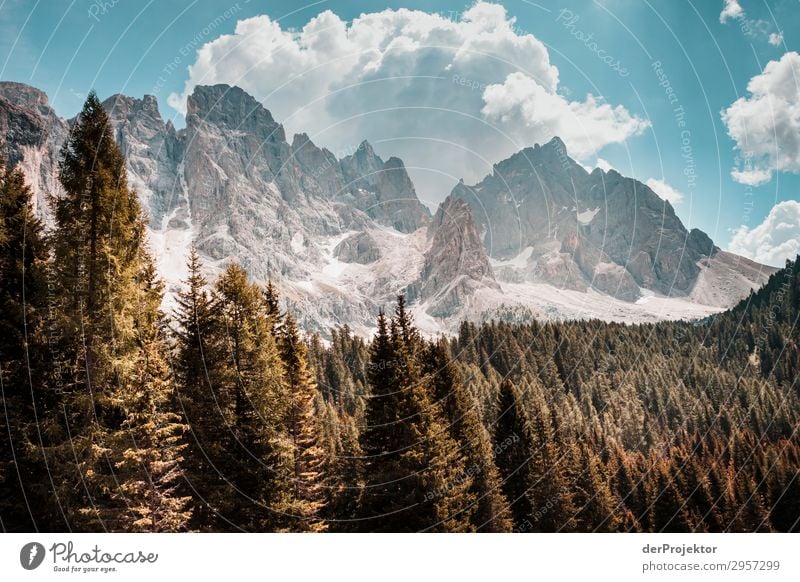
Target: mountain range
539, 237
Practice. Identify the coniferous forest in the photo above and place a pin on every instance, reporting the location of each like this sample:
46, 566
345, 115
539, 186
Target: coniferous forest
225, 416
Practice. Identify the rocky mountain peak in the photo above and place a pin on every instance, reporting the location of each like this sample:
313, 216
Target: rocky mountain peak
232, 186
456, 264
451, 210
232, 108
27, 97
122, 106
31, 136
362, 165
383, 190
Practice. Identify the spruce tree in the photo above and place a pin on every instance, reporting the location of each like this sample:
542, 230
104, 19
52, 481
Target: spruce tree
109, 337
302, 426
416, 478
197, 369
152, 440
380, 441
23, 297
246, 444
491, 511
513, 444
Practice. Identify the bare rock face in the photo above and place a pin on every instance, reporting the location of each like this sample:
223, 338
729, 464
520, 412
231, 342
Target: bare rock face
614, 231
456, 263
31, 136
358, 248
342, 237
154, 152
383, 190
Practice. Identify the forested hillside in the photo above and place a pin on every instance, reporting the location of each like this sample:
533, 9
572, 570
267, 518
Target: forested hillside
591, 426
225, 417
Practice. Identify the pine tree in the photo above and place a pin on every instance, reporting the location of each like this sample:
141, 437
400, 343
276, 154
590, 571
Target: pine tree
152, 440
109, 337
513, 445
23, 298
491, 511
416, 478
385, 493
247, 449
197, 370
302, 426
272, 300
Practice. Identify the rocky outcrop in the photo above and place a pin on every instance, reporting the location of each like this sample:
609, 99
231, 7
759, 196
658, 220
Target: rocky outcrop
31, 136
358, 248
456, 264
342, 237
614, 231
154, 154
383, 190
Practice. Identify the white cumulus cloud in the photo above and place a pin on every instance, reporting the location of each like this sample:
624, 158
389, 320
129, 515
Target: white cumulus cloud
773, 241
731, 9
766, 125
665, 191
526, 108
776, 38
604, 165
450, 97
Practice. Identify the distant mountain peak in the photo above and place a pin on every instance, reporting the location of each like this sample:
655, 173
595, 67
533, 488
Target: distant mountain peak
25, 95
231, 107
343, 236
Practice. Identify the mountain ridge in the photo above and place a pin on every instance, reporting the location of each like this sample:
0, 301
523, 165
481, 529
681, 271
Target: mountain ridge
342, 237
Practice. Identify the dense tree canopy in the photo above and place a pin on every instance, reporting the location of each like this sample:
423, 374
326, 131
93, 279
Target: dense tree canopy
224, 416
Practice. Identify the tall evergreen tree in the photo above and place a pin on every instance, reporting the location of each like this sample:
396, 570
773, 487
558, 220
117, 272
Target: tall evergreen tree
248, 447
152, 440
302, 426
416, 477
491, 512
108, 327
380, 440
23, 298
514, 448
197, 369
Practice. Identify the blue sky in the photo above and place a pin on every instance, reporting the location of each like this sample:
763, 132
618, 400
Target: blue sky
140, 47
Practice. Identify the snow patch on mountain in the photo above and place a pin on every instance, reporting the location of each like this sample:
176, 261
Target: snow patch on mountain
587, 216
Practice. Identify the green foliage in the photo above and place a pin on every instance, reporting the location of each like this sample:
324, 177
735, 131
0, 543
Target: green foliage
117, 445
23, 304
233, 420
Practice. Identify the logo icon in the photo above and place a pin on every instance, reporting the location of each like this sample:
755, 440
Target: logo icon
31, 555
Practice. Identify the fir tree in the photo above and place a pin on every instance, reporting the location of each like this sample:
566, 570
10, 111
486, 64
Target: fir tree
152, 440
23, 260
302, 426
513, 444
251, 454
108, 324
491, 511
197, 369
416, 477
